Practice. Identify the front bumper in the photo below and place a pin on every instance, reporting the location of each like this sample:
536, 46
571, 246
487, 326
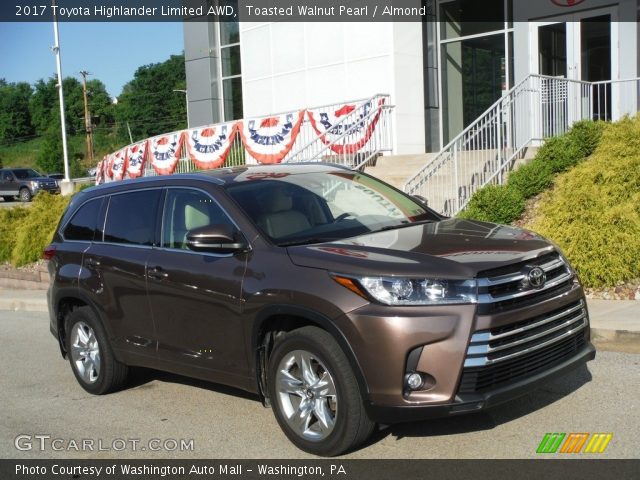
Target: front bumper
469, 403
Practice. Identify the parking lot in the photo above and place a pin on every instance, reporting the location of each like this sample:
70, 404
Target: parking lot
40, 397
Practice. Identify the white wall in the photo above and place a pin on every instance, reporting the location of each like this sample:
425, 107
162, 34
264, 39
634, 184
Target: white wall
286, 66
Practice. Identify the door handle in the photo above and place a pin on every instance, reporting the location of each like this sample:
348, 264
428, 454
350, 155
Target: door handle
157, 272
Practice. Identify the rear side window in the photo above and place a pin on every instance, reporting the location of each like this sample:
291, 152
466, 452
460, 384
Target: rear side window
82, 226
131, 218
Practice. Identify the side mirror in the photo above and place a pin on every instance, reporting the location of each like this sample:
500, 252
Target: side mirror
216, 239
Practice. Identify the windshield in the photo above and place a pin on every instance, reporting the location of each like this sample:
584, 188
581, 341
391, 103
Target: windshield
313, 207
24, 173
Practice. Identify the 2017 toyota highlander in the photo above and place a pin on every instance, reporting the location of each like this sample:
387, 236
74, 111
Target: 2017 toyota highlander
339, 300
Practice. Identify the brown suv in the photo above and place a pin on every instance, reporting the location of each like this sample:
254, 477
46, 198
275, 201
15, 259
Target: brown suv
339, 300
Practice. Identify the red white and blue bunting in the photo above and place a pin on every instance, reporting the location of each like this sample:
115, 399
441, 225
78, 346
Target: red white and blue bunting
118, 162
268, 140
356, 131
100, 170
136, 158
164, 151
208, 147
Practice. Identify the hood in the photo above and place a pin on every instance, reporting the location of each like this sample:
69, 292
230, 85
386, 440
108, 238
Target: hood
452, 248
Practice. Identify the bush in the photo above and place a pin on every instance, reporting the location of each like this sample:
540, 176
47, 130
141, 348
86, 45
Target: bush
495, 203
532, 178
557, 155
10, 219
587, 134
593, 213
33, 231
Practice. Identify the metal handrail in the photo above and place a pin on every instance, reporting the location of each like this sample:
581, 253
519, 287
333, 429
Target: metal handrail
536, 108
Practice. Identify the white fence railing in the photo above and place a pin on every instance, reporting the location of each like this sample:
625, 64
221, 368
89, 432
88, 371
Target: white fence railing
353, 138
536, 108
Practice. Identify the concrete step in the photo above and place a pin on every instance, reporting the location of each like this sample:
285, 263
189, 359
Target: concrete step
396, 169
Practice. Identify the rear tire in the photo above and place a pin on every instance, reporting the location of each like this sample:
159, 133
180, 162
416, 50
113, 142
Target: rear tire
25, 194
90, 354
8, 198
314, 394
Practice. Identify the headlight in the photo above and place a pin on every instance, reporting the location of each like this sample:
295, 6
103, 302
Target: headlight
34, 184
412, 291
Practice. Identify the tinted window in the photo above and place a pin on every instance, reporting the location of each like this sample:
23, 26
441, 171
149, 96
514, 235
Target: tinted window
131, 218
25, 173
186, 209
83, 224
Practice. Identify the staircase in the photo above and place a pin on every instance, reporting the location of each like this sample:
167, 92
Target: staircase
397, 169
510, 131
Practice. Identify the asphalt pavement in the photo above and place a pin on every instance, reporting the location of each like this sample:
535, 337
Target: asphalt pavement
42, 402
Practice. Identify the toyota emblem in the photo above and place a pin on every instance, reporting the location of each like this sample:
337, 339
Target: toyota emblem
567, 3
537, 277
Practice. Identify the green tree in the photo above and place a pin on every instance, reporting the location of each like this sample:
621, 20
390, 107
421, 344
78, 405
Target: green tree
148, 103
100, 105
44, 105
15, 118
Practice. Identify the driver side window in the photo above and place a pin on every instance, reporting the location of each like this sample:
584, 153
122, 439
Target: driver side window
186, 209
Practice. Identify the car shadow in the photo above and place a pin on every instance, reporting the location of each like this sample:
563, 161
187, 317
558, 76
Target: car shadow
141, 378
493, 417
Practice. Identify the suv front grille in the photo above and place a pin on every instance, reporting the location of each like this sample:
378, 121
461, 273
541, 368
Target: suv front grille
478, 380
504, 354
506, 288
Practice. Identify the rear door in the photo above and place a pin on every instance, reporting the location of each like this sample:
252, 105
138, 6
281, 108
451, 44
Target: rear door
196, 297
115, 271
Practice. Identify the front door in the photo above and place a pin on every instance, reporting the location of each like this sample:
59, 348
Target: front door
196, 297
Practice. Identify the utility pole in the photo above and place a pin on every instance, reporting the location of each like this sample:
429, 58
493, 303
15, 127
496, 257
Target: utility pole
66, 185
87, 118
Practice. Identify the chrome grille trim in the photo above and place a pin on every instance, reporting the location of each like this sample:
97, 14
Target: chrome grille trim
488, 298
508, 278
479, 347
488, 336
513, 285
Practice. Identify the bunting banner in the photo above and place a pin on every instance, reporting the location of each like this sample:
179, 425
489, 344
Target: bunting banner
346, 135
136, 157
118, 162
208, 147
100, 168
164, 151
268, 140
108, 164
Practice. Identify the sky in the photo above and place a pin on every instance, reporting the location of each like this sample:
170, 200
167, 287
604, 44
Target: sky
110, 51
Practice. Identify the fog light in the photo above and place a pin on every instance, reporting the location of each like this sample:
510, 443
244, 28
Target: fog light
414, 381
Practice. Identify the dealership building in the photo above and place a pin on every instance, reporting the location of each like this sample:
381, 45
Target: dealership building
441, 73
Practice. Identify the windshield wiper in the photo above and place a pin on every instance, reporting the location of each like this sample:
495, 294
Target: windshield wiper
401, 225
307, 241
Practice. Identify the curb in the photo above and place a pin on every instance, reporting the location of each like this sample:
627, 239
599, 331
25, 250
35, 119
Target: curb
616, 340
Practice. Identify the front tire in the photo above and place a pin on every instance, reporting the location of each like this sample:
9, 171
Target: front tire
25, 194
90, 355
314, 394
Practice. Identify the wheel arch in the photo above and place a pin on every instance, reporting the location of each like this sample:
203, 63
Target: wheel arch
277, 319
65, 302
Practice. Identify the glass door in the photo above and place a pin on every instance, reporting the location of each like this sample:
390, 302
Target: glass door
576, 47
